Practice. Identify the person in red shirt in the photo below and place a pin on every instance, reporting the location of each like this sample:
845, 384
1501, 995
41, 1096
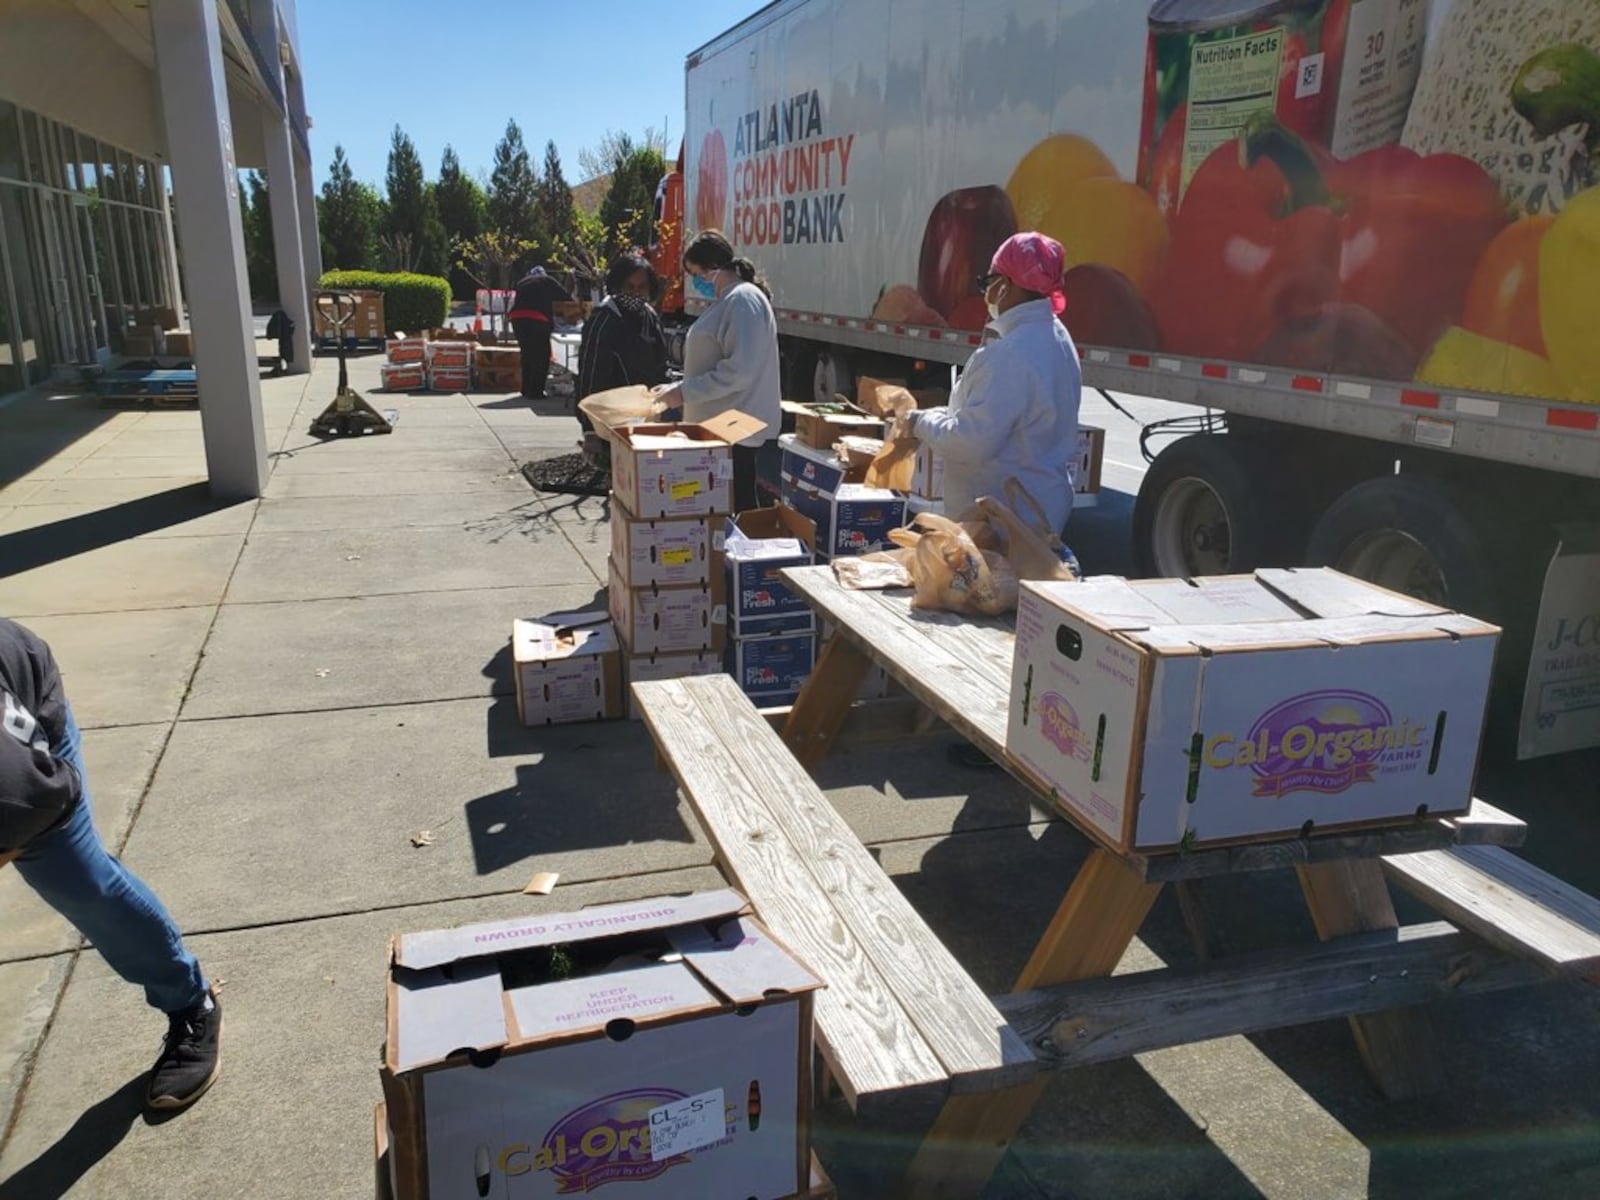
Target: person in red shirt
533, 318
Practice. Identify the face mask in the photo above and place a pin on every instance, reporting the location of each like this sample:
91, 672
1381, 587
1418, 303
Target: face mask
703, 287
994, 305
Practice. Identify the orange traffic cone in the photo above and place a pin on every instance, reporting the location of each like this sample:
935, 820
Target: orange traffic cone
477, 324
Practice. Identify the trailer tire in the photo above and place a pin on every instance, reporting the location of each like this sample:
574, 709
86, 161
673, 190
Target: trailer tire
1413, 535
1215, 504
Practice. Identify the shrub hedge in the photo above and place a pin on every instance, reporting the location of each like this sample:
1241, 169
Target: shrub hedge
410, 302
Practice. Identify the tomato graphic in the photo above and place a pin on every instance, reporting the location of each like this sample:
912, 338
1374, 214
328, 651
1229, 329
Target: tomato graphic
964, 230
711, 195
1166, 168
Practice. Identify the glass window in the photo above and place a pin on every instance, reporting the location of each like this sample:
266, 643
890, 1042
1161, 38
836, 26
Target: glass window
108, 173
68, 144
30, 145
10, 142
141, 170
89, 163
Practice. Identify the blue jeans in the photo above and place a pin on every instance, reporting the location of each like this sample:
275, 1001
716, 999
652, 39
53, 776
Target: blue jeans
73, 872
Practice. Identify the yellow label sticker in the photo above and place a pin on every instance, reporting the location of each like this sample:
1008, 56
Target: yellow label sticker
686, 490
680, 557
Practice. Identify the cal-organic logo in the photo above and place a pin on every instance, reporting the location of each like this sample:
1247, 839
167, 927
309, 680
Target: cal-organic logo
605, 1141
1058, 721
1327, 742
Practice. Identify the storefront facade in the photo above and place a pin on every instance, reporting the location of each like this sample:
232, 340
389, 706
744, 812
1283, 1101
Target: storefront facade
85, 243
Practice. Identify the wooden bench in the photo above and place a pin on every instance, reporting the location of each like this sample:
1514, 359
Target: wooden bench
1508, 902
899, 1014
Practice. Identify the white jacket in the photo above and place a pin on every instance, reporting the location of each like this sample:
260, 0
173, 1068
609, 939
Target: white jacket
730, 361
1014, 411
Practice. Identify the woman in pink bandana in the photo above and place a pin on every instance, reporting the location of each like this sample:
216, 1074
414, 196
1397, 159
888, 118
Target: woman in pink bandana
1014, 410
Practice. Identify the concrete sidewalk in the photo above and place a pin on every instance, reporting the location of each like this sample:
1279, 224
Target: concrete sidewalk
277, 695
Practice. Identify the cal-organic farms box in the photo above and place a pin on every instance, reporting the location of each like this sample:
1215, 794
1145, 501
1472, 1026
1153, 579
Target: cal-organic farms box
1180, 712
854, 519
761, 545
645, 668
668, 620
568, 668
678, 470
668, 551
657, 1049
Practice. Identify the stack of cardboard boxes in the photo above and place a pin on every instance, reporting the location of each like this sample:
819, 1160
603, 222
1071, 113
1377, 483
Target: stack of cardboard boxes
154, 333
671, 493
568, 668
774, 633
851, 518
405, 368
367, 324
450, 363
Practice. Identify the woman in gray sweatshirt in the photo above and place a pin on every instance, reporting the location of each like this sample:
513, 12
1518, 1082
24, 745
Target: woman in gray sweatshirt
730, 360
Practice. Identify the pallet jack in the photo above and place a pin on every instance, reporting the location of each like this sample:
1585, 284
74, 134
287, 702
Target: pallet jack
349, 415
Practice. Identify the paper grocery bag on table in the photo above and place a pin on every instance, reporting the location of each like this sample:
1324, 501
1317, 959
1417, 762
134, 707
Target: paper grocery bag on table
895, 465
886, 400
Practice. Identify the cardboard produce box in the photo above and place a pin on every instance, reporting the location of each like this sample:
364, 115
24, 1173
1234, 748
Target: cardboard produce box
821, 425
771, 670
498, 356
678, 470
855, 519
822, 470
406, 349
449, 354
668, 552
367, 322
1172, 712
499, 379
180, 342
673, 620
568, 668
760, 546
450, 379
660, 1045
403, 377
643, 668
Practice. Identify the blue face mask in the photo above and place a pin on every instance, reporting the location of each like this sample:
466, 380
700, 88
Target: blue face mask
703, 287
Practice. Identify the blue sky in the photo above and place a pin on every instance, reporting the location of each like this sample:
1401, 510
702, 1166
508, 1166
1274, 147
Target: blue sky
456, 72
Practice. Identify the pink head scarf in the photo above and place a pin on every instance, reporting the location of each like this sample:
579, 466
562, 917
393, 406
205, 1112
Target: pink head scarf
1036, 262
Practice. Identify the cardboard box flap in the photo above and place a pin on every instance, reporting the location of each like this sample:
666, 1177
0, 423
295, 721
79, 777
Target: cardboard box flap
743, 549
1109, 600
780, 521
572, 1007
435, 1015
1217, 600
742, 961
434, 948
733, 426
1277, 635
557, 637
1324, 592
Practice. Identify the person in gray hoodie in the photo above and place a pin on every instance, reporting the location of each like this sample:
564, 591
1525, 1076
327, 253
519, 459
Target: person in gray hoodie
47, 834
730, 358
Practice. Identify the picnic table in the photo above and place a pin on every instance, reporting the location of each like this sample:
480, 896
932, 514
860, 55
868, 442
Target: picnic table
1508, 924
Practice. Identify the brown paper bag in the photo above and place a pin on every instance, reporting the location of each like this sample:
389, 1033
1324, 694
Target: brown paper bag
886, 400
895, 465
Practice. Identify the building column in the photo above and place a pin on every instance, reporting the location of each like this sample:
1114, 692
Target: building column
310, 231
293, 294
194, 109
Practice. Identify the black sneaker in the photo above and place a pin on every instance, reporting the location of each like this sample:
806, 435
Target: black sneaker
191, 1057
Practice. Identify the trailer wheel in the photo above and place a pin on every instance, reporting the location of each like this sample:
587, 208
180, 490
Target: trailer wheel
831, 375
1410, 535
1214, 505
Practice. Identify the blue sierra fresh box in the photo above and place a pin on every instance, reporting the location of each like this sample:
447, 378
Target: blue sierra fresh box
854, 519
819, 469
773, 666
760, 546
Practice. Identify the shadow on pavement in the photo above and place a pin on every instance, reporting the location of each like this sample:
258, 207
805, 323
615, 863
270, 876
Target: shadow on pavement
92, 1137
38, 547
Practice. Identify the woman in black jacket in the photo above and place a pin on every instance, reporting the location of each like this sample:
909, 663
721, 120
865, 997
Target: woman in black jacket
623, 342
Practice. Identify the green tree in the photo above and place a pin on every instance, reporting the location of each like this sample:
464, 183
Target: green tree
349, 214
411, 220
462, 209
261, 261
628, 210
556, 206
514, 190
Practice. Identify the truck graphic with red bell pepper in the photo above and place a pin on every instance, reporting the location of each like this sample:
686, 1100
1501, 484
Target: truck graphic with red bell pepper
1363, 236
